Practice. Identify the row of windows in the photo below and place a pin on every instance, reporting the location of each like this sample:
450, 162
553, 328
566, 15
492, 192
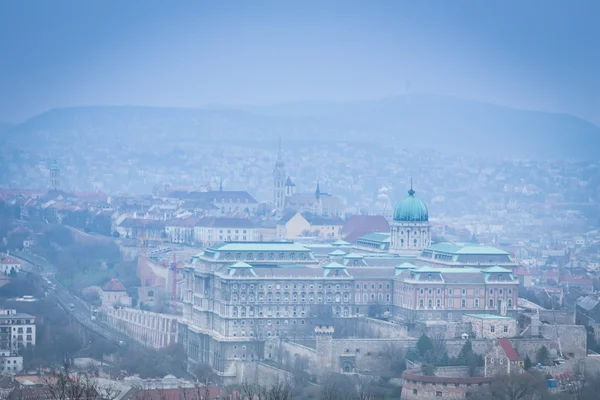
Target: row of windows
463, 303
261, 256
286, 298
286, 286
379, 286
464, 291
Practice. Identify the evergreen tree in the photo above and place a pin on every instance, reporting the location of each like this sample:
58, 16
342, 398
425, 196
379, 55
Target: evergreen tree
527, 363
542, 355
424, 345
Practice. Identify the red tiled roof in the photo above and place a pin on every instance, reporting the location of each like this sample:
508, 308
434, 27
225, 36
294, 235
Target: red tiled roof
509, 350
114, 286
5, 259
360, 225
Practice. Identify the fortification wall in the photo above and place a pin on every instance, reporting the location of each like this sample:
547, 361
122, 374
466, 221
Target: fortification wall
261, 373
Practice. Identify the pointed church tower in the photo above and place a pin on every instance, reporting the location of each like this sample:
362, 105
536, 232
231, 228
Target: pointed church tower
279, 181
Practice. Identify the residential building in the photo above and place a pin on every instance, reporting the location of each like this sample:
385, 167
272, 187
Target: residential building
9, 264
17, 330
113, 293
181, 230
10, 362
296, 224
292, 224
211, 230
141, 228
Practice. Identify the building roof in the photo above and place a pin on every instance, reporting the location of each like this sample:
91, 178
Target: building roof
184, 223
114, 286
225, 222
360, 225
509, 350
258, 246
464, 248
375, 237
411, 209
6, 259
319, 220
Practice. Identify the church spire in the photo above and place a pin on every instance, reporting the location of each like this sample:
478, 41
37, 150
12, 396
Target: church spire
318, 191
221, 185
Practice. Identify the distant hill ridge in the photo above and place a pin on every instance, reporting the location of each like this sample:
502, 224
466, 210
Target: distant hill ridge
443, 123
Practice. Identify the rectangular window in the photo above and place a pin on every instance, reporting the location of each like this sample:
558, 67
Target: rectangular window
505, 328
492, 328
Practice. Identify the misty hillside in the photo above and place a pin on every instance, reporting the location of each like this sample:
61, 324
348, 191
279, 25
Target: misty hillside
442, 123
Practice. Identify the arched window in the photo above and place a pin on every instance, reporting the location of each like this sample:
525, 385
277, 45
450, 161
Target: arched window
271, 256
491, 303
438, 303
509, 303
261, 256
430, 303
292, 256
421, 303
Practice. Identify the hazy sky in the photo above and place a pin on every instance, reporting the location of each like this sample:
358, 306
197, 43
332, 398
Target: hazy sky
533, 54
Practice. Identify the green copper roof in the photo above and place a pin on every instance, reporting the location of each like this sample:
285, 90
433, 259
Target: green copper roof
259, 246
376, 237
340, 243
411, 209
240, 264
406, 265
496, 269
334, 265
464, 248
337, 253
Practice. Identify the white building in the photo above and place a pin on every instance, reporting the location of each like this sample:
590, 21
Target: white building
10, 362
16, 330
8, 264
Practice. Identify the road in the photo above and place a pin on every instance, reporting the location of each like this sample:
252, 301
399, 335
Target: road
81, 311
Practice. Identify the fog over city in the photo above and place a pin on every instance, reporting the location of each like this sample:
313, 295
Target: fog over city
299, 200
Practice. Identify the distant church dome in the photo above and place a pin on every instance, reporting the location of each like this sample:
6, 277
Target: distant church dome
411, 209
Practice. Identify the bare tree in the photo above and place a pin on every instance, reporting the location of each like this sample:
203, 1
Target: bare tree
277, 391
62, 386
516, 386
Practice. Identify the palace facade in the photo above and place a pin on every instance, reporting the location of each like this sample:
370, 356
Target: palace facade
237, 294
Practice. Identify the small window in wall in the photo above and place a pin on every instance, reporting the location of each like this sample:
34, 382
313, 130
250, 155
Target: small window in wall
438, 394
414, 391
492, 328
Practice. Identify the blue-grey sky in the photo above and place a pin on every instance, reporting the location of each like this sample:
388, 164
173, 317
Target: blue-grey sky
542, 55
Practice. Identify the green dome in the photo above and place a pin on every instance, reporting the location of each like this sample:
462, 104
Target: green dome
411, 209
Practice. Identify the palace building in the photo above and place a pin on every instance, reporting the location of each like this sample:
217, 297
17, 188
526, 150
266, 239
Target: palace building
237, 294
